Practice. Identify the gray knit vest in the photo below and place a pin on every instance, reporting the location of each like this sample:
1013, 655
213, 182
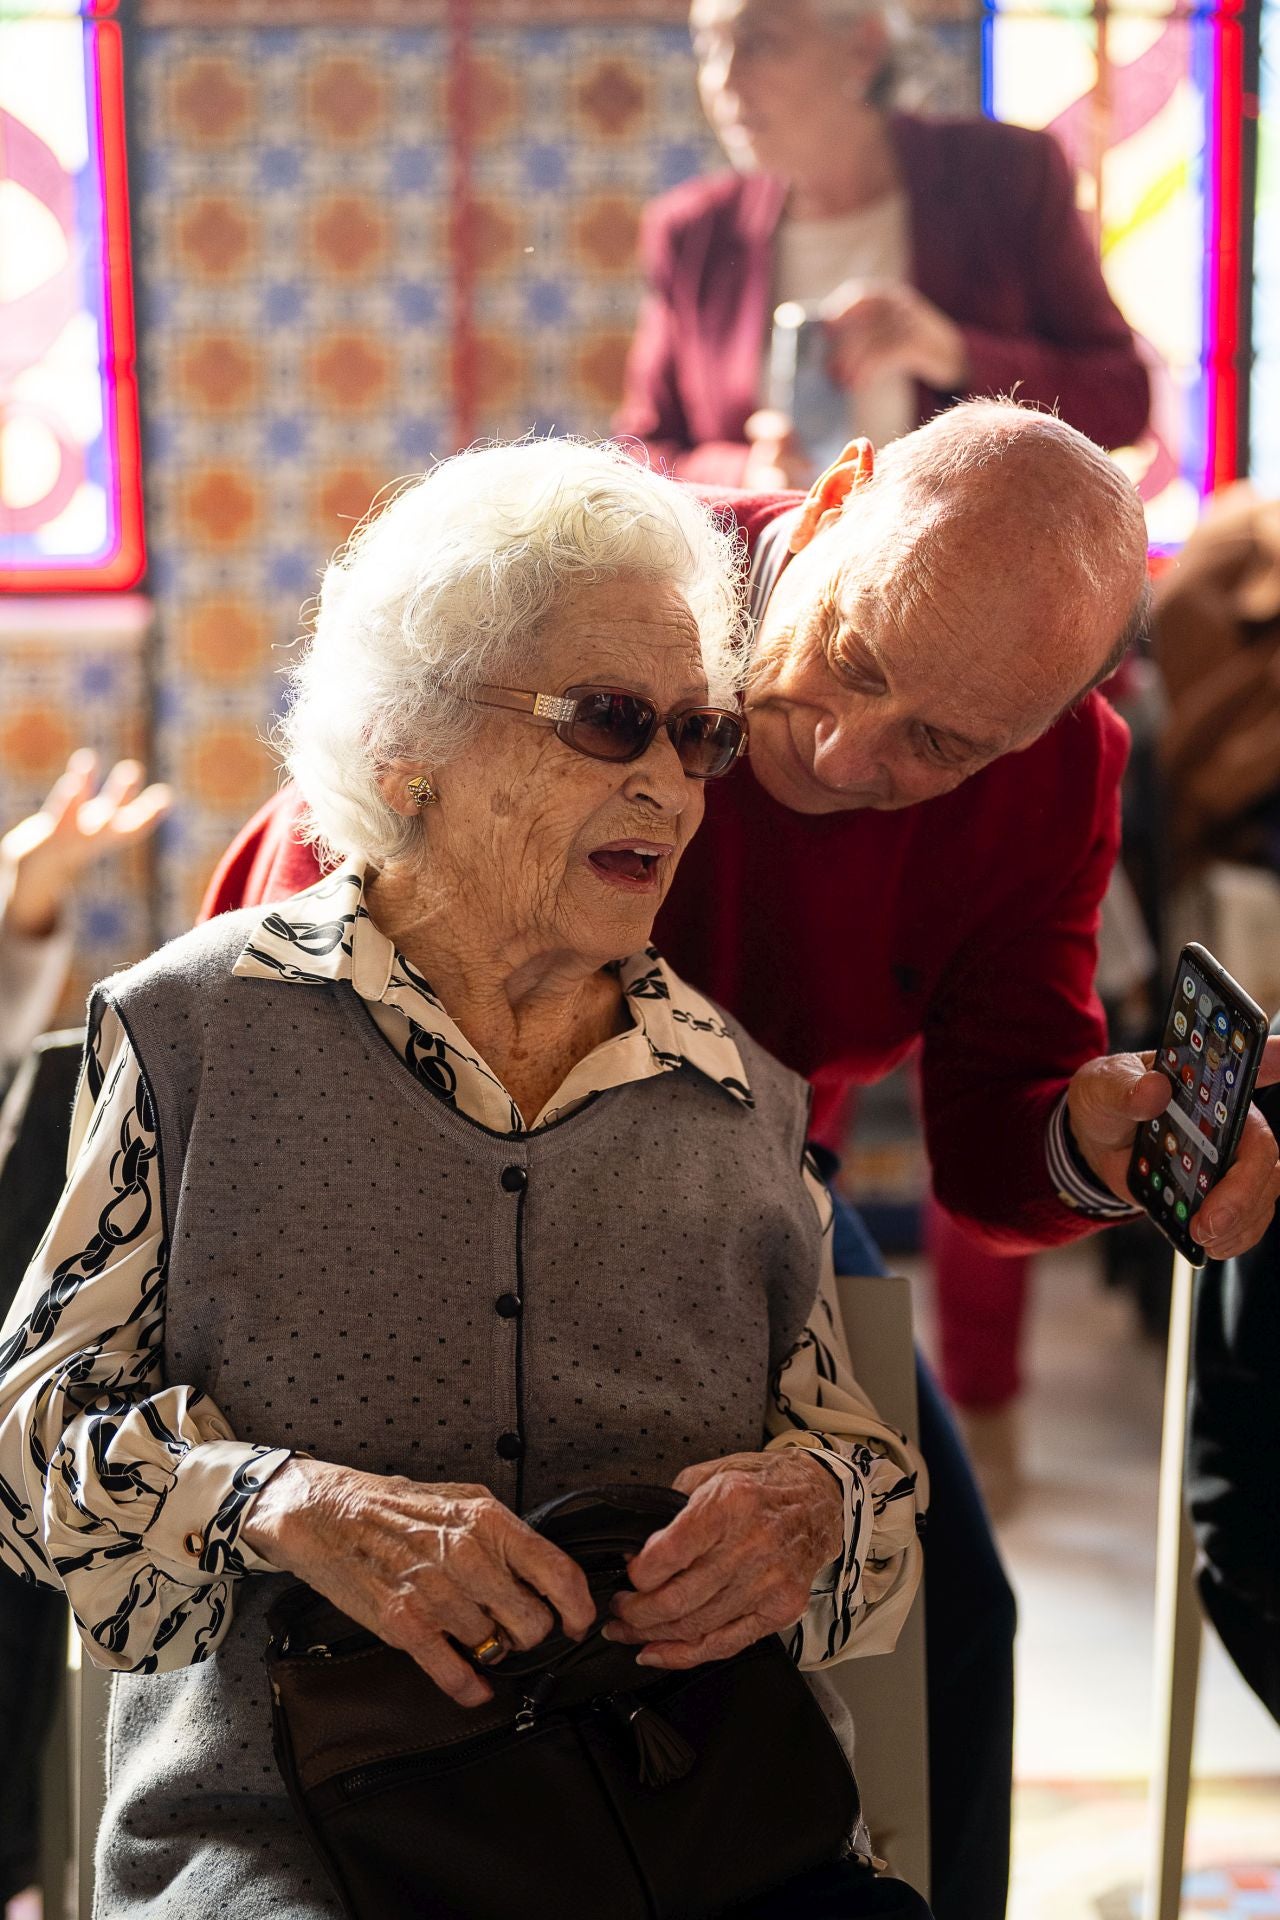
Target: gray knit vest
360, 1272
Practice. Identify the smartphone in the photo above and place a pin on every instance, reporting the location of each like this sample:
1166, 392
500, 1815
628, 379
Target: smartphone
800, 385
1210, 1051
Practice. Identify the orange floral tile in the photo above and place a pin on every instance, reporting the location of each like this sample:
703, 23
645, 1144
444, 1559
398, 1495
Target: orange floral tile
498, 369
211, 101
598, 364
216, 237
220, 506
35, 742
604, 232
492, 236
495, 100
219, 373
349, 235
613, 98
227, 767
346, 98
350, 372
225, 639
342, 498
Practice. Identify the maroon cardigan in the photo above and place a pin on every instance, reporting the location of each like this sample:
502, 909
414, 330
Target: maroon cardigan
996, 243
839, 941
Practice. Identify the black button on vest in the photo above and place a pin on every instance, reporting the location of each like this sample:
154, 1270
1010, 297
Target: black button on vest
508, 1305
510, 1446
514, 1179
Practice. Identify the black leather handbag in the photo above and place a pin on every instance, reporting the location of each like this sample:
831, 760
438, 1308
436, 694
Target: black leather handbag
587, 1786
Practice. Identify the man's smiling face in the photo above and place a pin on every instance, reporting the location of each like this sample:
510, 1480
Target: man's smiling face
917, 638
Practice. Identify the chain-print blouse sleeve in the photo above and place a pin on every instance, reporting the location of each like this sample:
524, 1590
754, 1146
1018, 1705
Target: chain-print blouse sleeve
859, 1603
128, 1492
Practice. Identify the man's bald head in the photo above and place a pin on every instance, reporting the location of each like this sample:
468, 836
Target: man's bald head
988, 575
989, 478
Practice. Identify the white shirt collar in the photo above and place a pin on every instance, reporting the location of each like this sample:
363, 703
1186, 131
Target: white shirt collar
325, 934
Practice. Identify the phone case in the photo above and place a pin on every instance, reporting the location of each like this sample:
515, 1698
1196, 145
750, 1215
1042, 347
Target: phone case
1170, 1168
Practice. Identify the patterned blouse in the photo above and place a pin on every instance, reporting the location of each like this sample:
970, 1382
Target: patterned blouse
112, 1480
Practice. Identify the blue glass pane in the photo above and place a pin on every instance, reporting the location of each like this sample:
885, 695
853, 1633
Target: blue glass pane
1264, 452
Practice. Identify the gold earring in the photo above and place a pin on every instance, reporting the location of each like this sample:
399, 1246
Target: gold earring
421, 792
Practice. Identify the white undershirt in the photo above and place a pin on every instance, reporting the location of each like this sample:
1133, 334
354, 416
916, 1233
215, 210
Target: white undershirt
814, 257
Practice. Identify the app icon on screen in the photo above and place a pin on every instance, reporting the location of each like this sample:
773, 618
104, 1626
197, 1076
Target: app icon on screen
1202, 1180
1155, 1126
1188, 986
1205, 1004
1180, 1024
1197, 1041
1220, 1023
1213, 1059
1144, 1166
1188, 1076
1171, 1143
1220, 1113
1229, 1077
1181, 1209
1168, 1196
1157, 1181
1204, 1093
1237, 1041
1187, 1163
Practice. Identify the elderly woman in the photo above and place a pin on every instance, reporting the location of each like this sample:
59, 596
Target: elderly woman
432, 1193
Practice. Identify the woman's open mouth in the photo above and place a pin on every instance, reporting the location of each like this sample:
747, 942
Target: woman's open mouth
629, 864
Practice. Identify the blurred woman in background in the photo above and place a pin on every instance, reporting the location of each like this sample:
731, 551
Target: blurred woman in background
946, 255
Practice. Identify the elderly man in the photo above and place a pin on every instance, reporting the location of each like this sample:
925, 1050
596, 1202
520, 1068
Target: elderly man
921, 688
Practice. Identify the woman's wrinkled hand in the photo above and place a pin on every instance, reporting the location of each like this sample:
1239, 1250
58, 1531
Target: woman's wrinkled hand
419, 1564
736, 1563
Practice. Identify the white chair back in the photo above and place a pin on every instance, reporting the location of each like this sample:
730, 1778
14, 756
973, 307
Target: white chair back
886, 1694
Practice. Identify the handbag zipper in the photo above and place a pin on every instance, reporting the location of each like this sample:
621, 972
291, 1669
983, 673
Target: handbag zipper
364, 1779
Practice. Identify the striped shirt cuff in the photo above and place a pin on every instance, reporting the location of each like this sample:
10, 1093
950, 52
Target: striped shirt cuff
1075, 1183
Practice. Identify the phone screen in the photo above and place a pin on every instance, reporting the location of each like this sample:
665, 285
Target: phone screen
1209, 1052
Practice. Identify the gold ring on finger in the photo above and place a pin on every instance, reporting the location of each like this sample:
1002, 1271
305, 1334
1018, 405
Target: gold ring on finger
487, 1651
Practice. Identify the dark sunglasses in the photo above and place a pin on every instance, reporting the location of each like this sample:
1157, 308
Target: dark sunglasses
607, 723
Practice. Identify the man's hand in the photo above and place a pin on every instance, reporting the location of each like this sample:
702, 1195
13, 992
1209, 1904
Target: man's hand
880, 327
1110, 1098
46, 853
737, 1563
777, 462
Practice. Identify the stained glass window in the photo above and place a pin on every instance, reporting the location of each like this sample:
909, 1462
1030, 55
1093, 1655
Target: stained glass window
1264, 456
70, 500
1145, 96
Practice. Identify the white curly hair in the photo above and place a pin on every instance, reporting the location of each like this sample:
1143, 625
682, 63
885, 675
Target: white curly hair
451, 584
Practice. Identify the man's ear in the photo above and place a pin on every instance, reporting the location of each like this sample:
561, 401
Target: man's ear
824, 502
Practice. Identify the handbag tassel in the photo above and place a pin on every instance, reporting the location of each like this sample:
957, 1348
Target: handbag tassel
665, 1756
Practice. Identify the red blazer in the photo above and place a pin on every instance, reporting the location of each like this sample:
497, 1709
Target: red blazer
840, 940
996, 243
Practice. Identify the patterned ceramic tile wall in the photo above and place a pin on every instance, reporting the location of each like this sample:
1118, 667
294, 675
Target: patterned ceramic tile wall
290, 200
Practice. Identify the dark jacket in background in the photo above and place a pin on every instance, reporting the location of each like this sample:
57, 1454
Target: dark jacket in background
996, 243
1233, 1450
